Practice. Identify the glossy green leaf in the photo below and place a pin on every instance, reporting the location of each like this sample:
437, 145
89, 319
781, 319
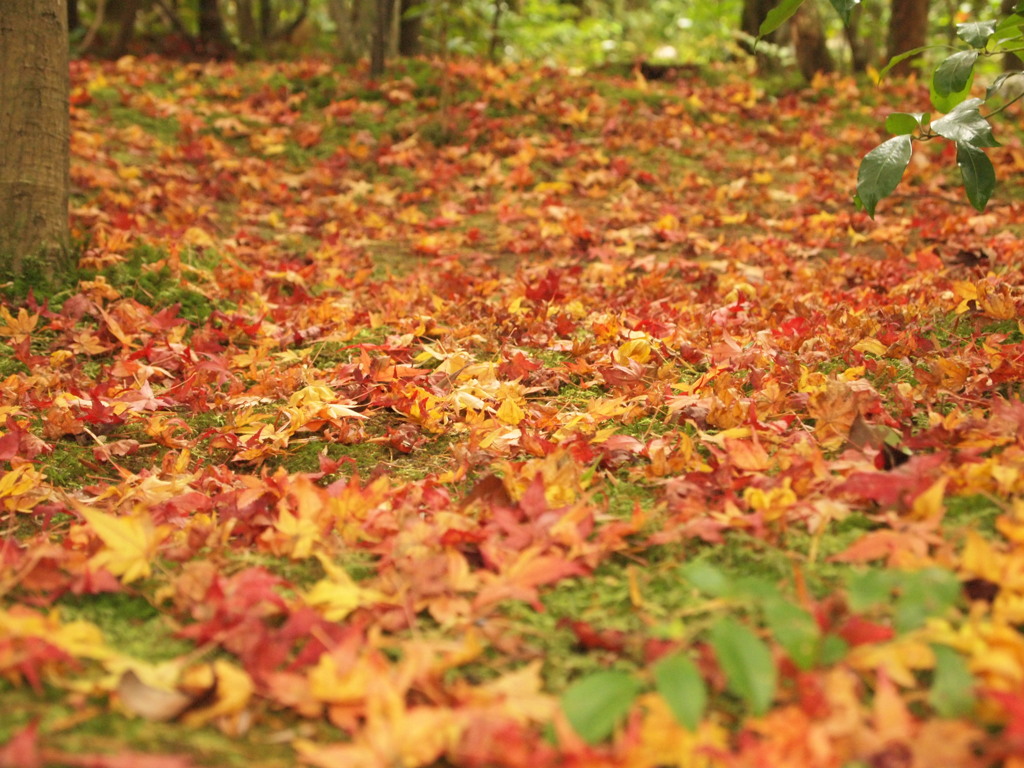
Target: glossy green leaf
976, 33
1007, 86
596, 704
952, 691
1009, 27
747, 663
844, 8
952, 80
678, 681
977, 172
904, 123
778, 16
795, 630
881, 170
902, 57
965, 124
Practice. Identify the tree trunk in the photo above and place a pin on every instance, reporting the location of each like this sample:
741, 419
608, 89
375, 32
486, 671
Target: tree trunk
34, 138
809, 43
753, 14
266, 19
74, 20
381, 37
908, 28
246, 22
861, 35
354, 23
127, 13
213, 38
495, 43
296, 30
409, 28
112, 28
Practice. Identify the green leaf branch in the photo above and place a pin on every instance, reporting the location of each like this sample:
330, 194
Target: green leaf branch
882, 169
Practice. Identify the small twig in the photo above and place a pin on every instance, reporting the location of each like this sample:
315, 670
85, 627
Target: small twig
1012, 101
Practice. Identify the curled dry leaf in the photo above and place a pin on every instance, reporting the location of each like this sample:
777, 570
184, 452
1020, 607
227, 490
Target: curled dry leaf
156, 703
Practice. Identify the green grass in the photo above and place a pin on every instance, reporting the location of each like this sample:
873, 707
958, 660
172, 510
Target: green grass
45, 276
68, 465
140, 277
9, 365
163, 129
970, 513
622, 495
129, 624
300, 573
105, 732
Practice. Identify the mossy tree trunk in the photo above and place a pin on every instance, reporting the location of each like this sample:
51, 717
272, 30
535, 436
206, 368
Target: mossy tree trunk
34, 139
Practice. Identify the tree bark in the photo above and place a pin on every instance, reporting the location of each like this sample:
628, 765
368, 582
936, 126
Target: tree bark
809, 42
861, 36
381, 37
34, 138
266, 19
213, 38
494, 44
246, 22
129, 11
293, 29
908, 29
409, 28
753, 14
354, 22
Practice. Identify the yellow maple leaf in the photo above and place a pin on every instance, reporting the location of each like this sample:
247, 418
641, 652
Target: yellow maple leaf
338, 595
634, 349
296, 531
300, 533
22, 489
509, 412
930, 503
20, 327
344, 687
80, 639
662, 740
518, 695
394, 733
233, 688
900, 659
130, 543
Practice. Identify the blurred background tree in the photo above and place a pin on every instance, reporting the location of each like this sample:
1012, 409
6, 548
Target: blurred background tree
575, 32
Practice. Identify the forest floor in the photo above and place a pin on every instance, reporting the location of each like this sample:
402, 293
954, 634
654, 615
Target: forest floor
514, 417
